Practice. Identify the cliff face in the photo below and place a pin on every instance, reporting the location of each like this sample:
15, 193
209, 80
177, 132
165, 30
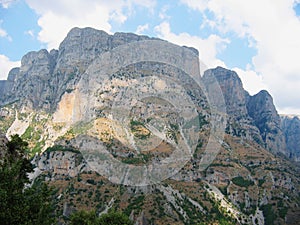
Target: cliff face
264, 114
252, 117
291, 129
44, 77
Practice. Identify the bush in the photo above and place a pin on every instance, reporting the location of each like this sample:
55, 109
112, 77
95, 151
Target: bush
240, 181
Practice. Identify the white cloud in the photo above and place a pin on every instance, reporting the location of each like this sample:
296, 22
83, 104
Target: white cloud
275, 28
290, 111
252, 81
208, 48
163, 12
57, 19
3, 32
30, 33
6, 66
6, 3
141, 28
196, 4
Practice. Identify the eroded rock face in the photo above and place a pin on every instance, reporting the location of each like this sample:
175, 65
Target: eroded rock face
262, 110
30, 83
6, 85
233, 91
291, 128
58, 164
44, 77
239, 122
252, 117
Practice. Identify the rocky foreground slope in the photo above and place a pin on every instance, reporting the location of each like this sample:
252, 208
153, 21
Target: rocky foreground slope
107, 92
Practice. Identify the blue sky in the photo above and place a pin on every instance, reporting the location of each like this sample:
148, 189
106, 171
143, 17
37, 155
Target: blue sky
259, 39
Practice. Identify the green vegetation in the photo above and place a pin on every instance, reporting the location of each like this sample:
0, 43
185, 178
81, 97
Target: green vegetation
7, 121
135, 123
140, 159
27, 134
269, 214
136, 205
240, 181
261, 182
62, 149
91, 218
38, 147
78, 128
133, 161
20, 204
139, 130
282, 209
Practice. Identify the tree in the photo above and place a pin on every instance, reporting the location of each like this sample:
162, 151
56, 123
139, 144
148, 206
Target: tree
20, 204
84, 218
114, 218
90, 218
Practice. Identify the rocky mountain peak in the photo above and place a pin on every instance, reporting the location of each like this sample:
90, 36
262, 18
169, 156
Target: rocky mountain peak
12, 74
252, 117
232, 88
261, 105
261, 108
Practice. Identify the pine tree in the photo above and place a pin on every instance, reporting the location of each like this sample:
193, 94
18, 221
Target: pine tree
19, 203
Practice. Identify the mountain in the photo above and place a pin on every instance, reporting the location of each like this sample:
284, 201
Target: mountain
126, 121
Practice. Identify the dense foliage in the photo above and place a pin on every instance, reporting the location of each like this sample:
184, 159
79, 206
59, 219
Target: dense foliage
21, 203
90, 218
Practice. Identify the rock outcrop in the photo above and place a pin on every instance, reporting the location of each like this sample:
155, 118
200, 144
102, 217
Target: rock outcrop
291, 128
58, 164
264, 114
252, 117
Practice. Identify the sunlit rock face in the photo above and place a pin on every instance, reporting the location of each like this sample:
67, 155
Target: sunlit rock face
48, 81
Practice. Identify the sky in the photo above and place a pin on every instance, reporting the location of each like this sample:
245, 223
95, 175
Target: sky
259, 39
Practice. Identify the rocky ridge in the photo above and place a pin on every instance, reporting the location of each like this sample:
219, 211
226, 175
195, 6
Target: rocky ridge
252, 117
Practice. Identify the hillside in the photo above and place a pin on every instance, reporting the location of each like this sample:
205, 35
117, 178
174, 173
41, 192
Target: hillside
127, 121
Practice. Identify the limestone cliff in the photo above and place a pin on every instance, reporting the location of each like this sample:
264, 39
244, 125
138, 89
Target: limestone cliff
263, 112
291, 128
45, 76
